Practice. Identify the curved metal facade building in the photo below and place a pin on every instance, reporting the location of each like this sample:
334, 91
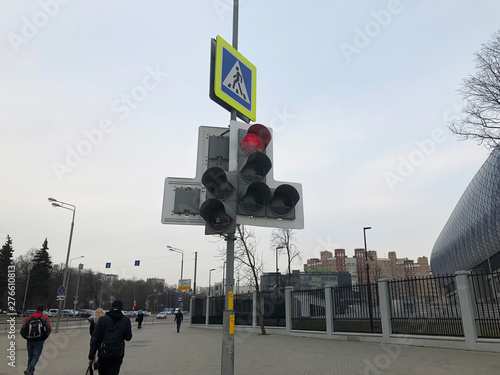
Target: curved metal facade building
472, 233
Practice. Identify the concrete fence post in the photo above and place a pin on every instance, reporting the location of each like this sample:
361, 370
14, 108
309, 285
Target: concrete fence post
467, 308
288, 308
385, 308
191, 310
329, 309
207, 309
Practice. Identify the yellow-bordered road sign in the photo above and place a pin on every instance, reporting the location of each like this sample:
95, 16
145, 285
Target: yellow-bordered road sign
235, 81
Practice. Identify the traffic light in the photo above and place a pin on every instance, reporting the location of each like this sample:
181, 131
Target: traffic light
262, 201
219, 209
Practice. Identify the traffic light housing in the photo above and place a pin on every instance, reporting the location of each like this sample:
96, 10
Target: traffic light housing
219, 209
261, 201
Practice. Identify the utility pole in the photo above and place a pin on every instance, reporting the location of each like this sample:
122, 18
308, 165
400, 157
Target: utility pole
227, 366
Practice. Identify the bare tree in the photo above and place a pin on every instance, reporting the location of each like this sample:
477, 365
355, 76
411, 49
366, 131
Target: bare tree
282, 239
245, 252
481, 92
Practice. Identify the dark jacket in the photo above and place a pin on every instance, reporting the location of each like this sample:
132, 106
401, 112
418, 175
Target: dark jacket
45, 322
140, 317
178, 317
107, 322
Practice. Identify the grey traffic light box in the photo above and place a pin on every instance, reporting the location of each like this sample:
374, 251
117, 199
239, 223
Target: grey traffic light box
182, 197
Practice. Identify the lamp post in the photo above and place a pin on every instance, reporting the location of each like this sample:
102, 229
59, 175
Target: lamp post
195, 262
69, 278
67, 206
80, 267
277, 269
30, 267
368, 280
182, 259
210, 280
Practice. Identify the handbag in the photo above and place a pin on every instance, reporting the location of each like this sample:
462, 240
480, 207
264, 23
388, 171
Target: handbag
90, 370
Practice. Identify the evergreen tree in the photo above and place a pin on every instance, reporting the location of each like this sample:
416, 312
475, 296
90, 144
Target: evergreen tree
41, 275
5, 261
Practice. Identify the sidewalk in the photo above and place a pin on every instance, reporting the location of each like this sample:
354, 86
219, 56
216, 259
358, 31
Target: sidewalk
159, 349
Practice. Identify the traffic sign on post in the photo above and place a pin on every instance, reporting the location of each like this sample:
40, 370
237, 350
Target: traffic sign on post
233, 81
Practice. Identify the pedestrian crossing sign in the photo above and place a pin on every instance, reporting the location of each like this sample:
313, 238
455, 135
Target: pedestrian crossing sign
235, 80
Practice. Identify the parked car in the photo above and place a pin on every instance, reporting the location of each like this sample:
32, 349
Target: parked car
85, 313
47, 313
161, 315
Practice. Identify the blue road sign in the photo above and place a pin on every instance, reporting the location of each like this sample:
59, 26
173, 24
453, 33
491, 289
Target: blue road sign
235, 79
137, 262
61, 290
108, 265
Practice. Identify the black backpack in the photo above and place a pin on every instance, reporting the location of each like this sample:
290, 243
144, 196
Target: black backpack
112, 343
35, 329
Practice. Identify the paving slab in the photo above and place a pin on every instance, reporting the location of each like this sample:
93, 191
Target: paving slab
159, 349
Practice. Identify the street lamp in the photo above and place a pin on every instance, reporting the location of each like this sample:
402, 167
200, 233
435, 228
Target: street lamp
277, 269
30, 267
67, 206
69, 278
210, 280
368, 280
80, 267
178, 251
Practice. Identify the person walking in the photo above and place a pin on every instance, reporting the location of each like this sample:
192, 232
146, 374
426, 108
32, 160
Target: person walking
108, 340
140, 318
98, 313
178, 319
35, 329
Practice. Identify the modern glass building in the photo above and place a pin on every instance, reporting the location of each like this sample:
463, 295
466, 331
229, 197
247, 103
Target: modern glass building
470, 240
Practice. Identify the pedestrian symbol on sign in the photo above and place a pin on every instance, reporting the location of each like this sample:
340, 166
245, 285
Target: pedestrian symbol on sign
234, 81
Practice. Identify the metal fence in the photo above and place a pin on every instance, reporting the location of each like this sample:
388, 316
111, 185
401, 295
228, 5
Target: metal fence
273, 308
352, 312
309, 310
486, 289
243, 309
426, 306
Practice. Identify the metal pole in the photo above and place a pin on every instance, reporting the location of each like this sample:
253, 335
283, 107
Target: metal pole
80, 266
227, 366
370, 312
195, 262
65, 277
27, 283
277, 269
182, 264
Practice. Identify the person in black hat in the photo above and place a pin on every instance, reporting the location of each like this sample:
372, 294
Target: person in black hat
108, 340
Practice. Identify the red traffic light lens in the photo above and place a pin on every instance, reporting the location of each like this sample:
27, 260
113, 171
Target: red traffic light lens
252, 143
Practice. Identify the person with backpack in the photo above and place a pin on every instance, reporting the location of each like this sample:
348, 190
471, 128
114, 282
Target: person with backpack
108, 340
35, 329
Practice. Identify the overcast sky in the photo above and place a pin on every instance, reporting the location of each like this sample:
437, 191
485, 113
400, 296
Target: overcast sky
101, 101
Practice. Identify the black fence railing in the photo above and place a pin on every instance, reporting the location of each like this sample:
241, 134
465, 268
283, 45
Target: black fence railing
351, 311
309, 310
199, 310
486, 289
426, 306
243, 309
273, 308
